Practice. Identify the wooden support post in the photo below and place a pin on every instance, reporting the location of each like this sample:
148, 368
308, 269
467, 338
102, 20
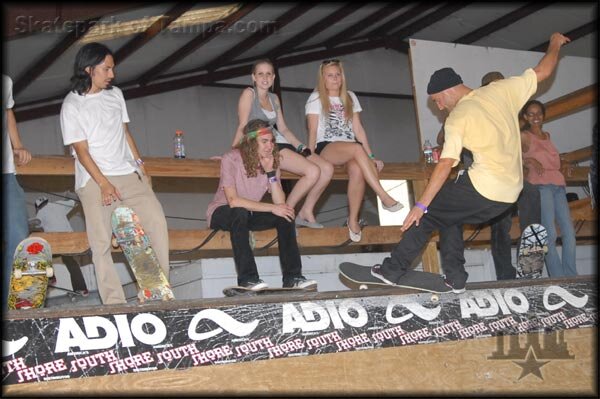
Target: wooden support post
430, 258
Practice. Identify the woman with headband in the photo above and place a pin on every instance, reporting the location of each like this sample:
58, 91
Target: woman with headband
336, 133
247, 172
258, 102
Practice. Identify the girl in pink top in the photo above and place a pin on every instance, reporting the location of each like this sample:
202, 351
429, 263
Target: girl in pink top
542, 168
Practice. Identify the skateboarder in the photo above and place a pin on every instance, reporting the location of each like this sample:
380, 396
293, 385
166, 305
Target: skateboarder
14, 211
108, 168
528, 206
485, 121
247, 172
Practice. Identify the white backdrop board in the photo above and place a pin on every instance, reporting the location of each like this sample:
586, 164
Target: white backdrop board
472, 62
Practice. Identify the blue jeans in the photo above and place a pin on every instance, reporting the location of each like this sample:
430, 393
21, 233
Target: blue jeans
14, 227
555, 207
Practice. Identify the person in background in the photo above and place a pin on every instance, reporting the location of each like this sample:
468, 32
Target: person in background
247, 172
14, 210
543, 169
258, 102
335, 132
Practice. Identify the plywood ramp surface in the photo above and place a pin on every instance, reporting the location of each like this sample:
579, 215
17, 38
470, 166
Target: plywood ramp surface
451, 368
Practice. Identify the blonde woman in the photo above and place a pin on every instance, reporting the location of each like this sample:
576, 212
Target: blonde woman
258, 102
335, 132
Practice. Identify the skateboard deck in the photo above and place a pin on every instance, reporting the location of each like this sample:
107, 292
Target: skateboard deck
32, 266
151, 280
420, 281
241, 291
532, 248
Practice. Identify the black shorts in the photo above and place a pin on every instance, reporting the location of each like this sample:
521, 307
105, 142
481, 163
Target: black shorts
282, 146
321, 145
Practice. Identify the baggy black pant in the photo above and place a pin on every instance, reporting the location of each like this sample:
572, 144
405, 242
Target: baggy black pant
456, 203
239, 222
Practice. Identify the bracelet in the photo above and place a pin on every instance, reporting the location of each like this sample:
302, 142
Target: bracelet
372, 156
273, 179
300, 148
271, 174
421, 206
139, 161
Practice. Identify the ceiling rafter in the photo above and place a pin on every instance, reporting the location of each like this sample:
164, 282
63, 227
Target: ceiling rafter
195, 43
144, 37
312, 30
402, 18
257, 37
364, 24
574, 34
34, 71
502, 22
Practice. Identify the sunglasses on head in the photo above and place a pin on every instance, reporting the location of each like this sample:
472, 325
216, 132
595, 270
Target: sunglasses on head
332, 61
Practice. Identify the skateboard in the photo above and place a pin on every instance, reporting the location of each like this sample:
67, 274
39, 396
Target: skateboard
532, 248
32, 266
420, 281
129, 234
241, 291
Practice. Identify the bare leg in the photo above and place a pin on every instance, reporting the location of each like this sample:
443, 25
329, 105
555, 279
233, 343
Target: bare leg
307, 210
356, 193
339, 153
310, 172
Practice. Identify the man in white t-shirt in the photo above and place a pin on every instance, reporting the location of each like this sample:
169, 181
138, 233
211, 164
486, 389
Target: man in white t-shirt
14, 210
108, 168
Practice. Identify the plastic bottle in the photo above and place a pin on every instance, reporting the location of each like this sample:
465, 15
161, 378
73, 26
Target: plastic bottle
428, 152
178, 146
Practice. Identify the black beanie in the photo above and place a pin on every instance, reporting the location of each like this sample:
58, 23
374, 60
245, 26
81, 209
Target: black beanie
443, 79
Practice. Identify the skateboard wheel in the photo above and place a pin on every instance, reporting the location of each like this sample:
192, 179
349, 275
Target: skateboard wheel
49, 271
18, 273
435, 298
363, 287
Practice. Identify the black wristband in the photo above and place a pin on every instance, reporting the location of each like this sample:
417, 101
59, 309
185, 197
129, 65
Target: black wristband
306, 152
271, 174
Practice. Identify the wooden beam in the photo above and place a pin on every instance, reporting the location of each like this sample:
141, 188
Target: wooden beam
330, 237
52, 55
574, 34
365, 23
579, 155
501, 22
195, 44
153, 30
426, 21
312, 30
201, 168
256, 38
571, 102
399, 20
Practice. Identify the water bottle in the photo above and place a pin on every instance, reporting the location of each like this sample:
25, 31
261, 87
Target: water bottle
178, 146
428, 152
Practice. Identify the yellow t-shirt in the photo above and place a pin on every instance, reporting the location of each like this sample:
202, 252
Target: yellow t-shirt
485, 121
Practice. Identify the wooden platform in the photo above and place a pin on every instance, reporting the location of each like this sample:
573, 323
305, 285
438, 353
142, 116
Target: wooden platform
466, 366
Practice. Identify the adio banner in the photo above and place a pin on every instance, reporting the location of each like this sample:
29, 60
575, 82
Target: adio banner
76, 347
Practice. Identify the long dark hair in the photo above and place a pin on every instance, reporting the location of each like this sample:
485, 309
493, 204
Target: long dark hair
90, 55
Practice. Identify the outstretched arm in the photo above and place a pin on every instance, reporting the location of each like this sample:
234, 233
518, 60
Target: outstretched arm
547, 64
